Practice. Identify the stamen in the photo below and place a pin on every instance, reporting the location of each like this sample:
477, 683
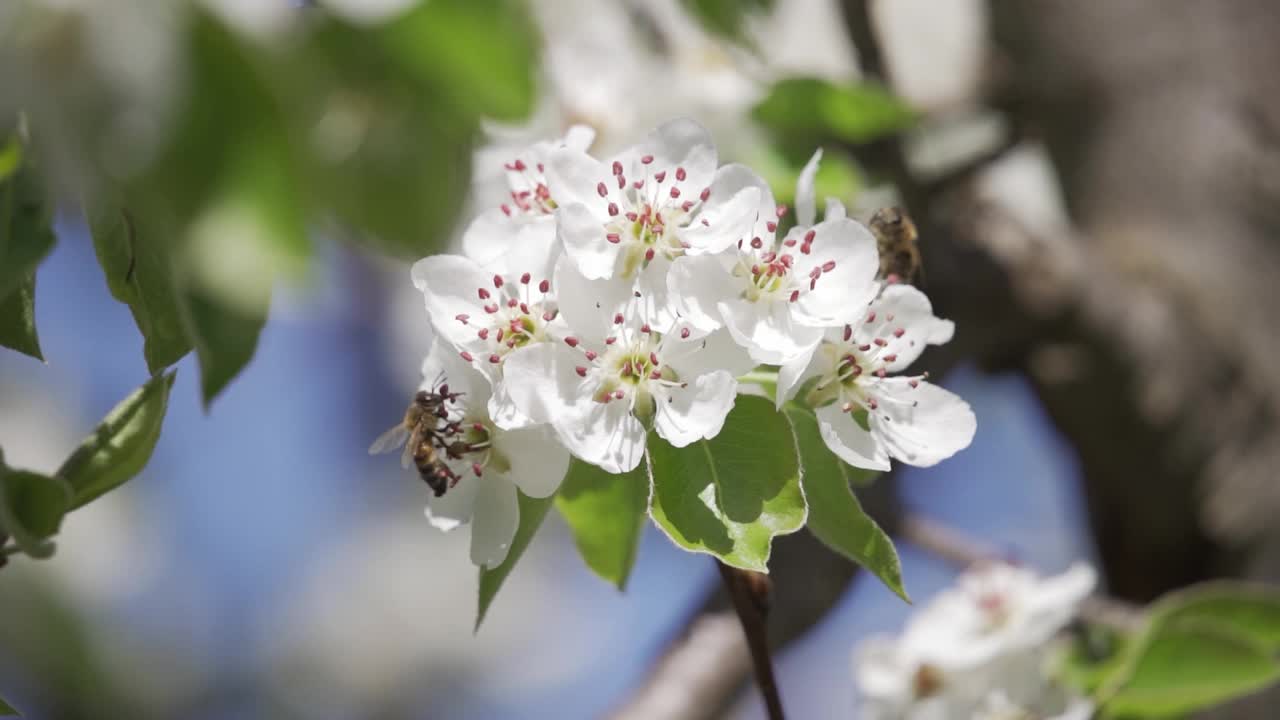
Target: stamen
600, 188
467, 356
525, 278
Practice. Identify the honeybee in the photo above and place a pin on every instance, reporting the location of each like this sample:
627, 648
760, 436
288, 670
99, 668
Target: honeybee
897, 238
422, 432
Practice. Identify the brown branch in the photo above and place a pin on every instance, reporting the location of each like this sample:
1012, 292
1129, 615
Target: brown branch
750, 594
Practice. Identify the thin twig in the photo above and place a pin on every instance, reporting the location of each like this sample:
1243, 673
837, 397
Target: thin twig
750, 595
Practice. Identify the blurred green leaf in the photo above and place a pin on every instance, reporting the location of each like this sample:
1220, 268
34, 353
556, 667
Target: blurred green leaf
121, 445
816, 110
25, 232
480, 53
1094, 655
532, 512
1252, 610
225, 339
606, 513
727, 18
1191, 664
140, 273
18, 320
31, 509
729, 496
835, 515
7, 710
10, 157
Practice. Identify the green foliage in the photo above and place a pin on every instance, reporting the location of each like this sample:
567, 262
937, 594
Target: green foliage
25, 233
6, 710
532, 512
606, 513
835, 515
1199, 648
1093, 656
18, 320
729, 496
31, 509
121, 445
818, 110
727, 18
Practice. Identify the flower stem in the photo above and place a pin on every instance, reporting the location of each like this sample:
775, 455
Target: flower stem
749, 592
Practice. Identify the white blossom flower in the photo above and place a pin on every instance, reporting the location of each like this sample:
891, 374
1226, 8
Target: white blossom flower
489, 312
989, 633
867, 417
617, 373
489, 462
628, 218
774, 295
998, 706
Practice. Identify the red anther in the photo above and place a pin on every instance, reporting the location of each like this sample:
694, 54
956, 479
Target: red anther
462, 318
809, 236
865, 347
627, 368
483, 293
913, 383
610, 340
828, 266
512, 302
880, 342
899, 332
541, 168
795, 295
880, 373
506, 210
706, 193
571, 341
687, 205
617, 394
680, 174
789, 242
466, 356
769, 257
706, 222
617, 319
497, 281
478, 427
813, 284
614, 238
805, 248
660, 176
871, 316
739, 244
632, 216
648, 254
491, 309
653, 358
478, 469
591, 355
483, 333
613, 209
848, 332
871, 403
525, 278
645, 328
780, 210
786, 260
519, 165
646, 159
757, 243
638, 184
499, 338
755, 269
771, 226
581, 370
524, 308
548, 315
655, 375
622, 182
815, 273
617, 168
857, 370
891, 357
544, 286
600, 188
495, 359
675, 192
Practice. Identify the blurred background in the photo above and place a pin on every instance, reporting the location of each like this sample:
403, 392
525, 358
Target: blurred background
1096, 186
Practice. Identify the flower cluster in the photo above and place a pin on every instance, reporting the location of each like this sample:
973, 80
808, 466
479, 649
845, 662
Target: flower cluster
980, 649
613, 298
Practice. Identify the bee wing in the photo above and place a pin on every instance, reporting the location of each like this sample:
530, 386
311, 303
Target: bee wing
406, 458
389, 440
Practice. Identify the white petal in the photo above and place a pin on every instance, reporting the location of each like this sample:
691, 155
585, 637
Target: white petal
503, 411
656, 304
906, 309
1063, 592
846, 438
736, 209
537, 460
444, 365
534, 250
806, 202
542, 383
766, 330
607, 435
697, 285
449, 285
835, 210
454, 508
494, 523
579, 137
573, 178
686, 144
696, 411
920, 426
794, 373
841, 293
589, 306
489, 236
702, 353
583, 235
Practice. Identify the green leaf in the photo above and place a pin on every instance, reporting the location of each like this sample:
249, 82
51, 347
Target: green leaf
121, 445
817, 109
18, 320
1252, 610
1095, 655
835, 515
532, 512
729, 496
225, 339
26, 236
31, 509
481, 53
606, 514
140, 273
1191, 664
10, 156
6, 710
727, 18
